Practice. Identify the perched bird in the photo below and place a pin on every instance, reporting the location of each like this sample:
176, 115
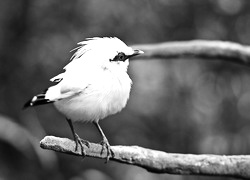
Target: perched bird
95, 84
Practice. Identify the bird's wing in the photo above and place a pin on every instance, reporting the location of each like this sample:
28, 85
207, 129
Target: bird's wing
57, 78
69, 84
66, 87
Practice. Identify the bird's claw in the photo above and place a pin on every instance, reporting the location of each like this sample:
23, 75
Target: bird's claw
110, 153
81, 142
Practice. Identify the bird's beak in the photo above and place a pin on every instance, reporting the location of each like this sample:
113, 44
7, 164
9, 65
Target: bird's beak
136, 52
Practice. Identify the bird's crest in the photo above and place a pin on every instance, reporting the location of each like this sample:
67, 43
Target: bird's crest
92, 43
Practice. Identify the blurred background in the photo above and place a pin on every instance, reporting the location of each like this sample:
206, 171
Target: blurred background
184, 105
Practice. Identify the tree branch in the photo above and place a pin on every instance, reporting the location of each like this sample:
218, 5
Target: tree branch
160, 162
212, 50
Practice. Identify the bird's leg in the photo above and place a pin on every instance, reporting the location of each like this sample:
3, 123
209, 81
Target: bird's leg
77, 139
104, 142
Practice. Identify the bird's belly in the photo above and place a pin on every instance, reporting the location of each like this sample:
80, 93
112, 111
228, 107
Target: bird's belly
96, 102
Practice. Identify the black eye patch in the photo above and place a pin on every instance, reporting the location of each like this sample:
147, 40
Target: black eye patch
120, 57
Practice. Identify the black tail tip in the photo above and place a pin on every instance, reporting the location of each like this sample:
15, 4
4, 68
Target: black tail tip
27, 104
37, 100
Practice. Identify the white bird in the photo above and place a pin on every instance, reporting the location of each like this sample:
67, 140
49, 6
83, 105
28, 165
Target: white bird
95, 84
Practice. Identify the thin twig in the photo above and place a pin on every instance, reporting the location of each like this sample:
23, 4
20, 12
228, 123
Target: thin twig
158, 161
213, 50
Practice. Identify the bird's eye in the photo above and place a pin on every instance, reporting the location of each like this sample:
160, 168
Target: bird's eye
120, 57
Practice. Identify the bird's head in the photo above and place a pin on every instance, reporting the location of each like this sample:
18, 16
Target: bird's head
111, 53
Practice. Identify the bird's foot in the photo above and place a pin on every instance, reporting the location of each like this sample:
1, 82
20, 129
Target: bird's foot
81, 142
105, 144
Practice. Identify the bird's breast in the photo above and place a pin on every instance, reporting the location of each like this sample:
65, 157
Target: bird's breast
117, 96
106, 94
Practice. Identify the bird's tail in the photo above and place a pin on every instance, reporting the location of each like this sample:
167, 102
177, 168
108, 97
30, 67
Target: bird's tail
37, 100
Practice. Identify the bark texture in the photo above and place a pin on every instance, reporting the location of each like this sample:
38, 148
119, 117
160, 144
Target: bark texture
158, 161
